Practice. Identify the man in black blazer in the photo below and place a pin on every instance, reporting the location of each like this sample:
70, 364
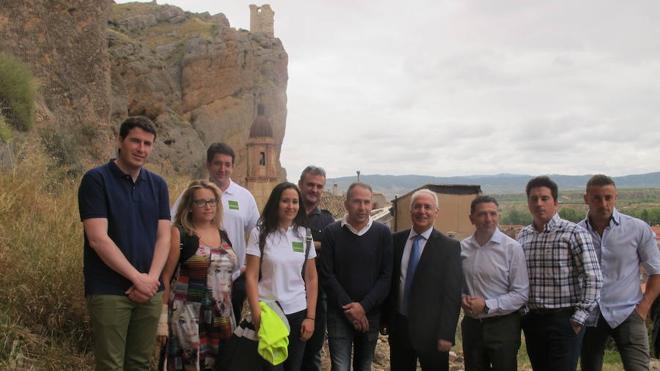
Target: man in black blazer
423, 307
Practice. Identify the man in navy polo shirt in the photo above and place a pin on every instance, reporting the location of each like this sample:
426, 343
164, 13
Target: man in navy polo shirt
126, 220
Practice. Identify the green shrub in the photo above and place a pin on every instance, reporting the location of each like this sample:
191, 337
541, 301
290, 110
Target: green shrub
5, 131
64, 148
16, 92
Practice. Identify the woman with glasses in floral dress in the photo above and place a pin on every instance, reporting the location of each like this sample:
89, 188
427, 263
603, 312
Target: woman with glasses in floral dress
197, 280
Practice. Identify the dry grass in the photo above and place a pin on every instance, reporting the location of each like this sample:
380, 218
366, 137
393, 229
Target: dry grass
43, 318
168, 33
164, 32
44, 322
120, 11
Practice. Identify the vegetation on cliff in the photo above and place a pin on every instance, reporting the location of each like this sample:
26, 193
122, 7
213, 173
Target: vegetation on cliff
5, 131
16, 94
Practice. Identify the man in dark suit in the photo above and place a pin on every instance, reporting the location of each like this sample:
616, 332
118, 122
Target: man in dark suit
425, 297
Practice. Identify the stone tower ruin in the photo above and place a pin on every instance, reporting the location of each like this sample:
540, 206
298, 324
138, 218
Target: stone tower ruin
262, 19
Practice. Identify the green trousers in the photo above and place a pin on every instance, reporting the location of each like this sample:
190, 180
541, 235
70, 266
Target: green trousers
124, 331
631, 339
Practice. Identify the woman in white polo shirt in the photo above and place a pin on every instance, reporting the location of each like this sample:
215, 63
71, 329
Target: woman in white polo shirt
280, 239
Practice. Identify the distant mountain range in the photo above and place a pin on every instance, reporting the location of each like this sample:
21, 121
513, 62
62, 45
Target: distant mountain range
392, 185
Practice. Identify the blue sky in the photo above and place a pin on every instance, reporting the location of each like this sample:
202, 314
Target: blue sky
467, 87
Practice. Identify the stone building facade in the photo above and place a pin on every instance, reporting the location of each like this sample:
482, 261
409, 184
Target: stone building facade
453, 217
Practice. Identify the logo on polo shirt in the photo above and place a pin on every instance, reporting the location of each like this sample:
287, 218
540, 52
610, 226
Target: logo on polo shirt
297, 246
233, 204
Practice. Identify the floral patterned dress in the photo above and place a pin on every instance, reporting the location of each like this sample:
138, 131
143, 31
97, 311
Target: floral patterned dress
200, 310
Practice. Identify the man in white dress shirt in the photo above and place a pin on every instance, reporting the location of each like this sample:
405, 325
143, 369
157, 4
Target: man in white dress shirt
496, 287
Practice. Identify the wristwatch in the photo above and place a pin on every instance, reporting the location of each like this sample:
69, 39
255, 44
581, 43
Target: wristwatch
486, 309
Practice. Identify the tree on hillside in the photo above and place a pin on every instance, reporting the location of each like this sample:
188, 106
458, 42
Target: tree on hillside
570, 214
515, 216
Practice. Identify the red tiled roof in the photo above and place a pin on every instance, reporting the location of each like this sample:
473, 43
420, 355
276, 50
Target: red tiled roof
334, 204
511, 230
656, 229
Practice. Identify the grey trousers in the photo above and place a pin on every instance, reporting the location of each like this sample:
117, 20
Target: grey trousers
630, 337
491, 344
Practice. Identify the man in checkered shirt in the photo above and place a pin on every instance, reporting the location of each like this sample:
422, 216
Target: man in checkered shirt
564, 281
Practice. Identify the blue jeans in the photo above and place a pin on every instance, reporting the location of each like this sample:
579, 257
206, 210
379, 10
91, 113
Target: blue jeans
342, 338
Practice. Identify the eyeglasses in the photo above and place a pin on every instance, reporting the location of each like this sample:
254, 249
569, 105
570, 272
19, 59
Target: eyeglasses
202, 202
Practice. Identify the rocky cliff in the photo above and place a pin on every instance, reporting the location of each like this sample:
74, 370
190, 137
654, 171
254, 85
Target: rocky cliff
198, 78
65, 45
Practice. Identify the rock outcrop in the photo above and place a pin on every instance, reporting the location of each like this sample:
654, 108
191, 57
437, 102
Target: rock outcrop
97, 62
197, 77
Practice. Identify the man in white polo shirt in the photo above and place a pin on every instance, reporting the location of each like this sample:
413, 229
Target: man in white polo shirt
240, 213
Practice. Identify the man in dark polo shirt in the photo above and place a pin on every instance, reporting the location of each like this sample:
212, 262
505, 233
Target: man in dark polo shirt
125, 213
311, 183
356, 268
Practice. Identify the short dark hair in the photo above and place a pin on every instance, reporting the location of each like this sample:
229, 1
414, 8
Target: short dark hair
600, 180
132, 122
313, 170
543, 181
357, 184
219, 149
484, 199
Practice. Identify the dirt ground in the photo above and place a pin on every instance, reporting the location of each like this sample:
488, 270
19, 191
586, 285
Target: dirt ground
382, 360
382, 357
